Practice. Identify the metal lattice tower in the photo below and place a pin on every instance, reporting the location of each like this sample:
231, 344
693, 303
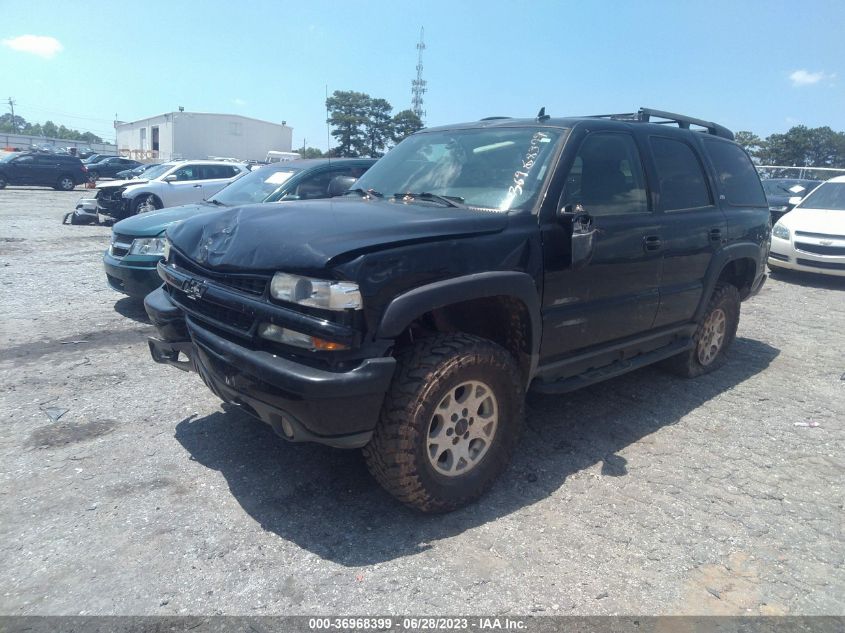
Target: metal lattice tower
418, 88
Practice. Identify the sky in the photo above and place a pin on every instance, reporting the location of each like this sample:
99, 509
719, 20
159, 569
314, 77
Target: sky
762, 66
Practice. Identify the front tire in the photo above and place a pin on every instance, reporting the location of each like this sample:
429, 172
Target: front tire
713, 337
449, 423
65, 183
3, 182
145, 203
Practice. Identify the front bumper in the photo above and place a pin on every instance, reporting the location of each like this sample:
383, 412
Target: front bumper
302, 403
136, 279
787, 254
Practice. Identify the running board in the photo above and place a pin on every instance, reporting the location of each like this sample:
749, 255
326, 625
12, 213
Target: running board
614, 369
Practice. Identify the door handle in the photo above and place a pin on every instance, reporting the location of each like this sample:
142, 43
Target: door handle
652, 243
715, 235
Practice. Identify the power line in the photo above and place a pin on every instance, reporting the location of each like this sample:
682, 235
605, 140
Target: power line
66, 114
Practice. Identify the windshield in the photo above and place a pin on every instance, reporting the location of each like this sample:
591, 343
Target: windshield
501, 168
831, 196
789, 187
158, 170
256, 186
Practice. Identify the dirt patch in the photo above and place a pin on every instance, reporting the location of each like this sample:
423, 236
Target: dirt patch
62, 434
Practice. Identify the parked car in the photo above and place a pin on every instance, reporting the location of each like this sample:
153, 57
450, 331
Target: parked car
167, 185
811, 237
137, 242
783, 193
470, 263
135, 172
60, 171
109, 166
94, 158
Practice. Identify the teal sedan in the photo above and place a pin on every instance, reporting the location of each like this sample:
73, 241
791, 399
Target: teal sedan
137, 242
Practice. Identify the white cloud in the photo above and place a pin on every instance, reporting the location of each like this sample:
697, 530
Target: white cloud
806, 78
239, 102
41, 45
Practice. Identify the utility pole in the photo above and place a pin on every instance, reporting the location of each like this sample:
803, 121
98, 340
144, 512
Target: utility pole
12, 106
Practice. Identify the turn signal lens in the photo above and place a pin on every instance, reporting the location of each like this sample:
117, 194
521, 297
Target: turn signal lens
297, 339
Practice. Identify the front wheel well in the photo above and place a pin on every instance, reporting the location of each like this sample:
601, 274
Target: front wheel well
741, 274
502, 319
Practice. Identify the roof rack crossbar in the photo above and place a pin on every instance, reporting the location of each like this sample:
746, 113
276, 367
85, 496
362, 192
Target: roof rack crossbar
681, 120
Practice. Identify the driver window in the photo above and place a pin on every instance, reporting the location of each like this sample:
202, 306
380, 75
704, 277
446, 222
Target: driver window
607, 176
188, 172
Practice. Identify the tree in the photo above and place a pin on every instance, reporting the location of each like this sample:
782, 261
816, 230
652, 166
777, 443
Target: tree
310, 152
805, 147
379, 126
49, 129
348, 118
750, 142
405, 123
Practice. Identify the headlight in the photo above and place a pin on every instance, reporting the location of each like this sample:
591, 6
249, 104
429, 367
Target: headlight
318, 293
780, 231
147, 246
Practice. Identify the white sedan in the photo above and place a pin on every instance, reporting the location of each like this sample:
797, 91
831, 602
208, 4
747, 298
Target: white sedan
811, 237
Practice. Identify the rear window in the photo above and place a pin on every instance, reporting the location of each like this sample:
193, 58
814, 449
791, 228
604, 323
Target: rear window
682, 181
736, 173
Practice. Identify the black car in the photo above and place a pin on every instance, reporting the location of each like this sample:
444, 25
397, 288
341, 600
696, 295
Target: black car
109, 166
780, 190
133, 172
60, 171
471, 263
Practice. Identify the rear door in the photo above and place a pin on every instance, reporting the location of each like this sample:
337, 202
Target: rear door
616, 294
215, 177
693, 227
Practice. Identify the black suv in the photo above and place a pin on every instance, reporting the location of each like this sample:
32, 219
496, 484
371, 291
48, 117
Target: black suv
60, 171
471, 263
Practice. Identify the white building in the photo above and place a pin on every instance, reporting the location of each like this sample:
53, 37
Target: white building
199, 135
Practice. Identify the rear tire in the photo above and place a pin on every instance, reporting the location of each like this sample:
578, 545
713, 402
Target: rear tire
3, 182
449, 422
713, 337
65, 183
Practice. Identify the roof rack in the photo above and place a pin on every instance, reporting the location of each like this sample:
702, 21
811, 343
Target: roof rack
644, 115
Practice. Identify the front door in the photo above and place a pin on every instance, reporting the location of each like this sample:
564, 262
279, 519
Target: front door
616, 294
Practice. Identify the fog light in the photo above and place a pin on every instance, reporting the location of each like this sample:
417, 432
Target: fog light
279, 334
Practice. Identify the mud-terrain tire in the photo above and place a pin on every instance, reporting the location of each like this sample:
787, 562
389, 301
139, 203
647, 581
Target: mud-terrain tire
713, 337
418, 446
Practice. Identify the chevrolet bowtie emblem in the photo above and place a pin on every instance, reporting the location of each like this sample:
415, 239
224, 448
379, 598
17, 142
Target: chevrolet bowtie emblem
193, 288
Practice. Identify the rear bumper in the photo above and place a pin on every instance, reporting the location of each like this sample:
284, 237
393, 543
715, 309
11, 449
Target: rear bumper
135, 281
302, 403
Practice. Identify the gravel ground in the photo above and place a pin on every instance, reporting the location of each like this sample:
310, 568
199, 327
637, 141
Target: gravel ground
647, 494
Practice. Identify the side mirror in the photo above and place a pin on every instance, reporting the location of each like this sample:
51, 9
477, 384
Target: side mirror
795, 200
583, 239
171, 178
340, 185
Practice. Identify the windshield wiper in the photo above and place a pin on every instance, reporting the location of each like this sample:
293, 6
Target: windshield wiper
365, 193
449, 201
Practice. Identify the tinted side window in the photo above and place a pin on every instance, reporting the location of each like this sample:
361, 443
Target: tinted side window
607, 176
188, 172
683, 184
736, 173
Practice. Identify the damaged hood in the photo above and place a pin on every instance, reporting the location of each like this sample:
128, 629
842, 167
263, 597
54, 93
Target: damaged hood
306, 236
154, 223
117, 184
